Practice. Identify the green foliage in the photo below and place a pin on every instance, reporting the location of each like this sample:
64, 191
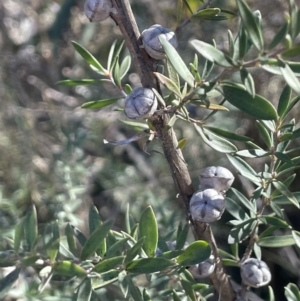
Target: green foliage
221, 82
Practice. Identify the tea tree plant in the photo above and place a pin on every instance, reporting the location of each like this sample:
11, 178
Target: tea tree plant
109, 258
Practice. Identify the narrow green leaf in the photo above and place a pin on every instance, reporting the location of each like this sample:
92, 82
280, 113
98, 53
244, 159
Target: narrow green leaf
175, 296
296, 236
250, 25
111, 56
271, 294
206, 13
230, 44
84, 291
182, 236
216, 142
257, 251
212, 54
95, 240
290, 78
105, 279
171, 254
149, 265
292, 291
182, 143
128, 219
159, 98
241, 198
99, 104
127, 89
177, 61
135, 250
171, 123
241, 231
264, 133
282, 200
134, 291
292, 52
87, 56
267, 232
81, 82
293, 11
274, 221
257, 107
276, 241
19, 234
125, 65
279, 36
179, 11
108, 264
187, 286
148, 229
136, 125
230, 262
277, 210
117, 247
243, 43
196, 252
211, 106
235, 210
172, 74
94, 223
207, 68
117, 75
283, 157
241, 165
68, 268
285, 191
8, 281
71, 240
168, 83
146, 296
188, 6
94, 219
30, 228
252, 153
228, 135
248, 81
54, 241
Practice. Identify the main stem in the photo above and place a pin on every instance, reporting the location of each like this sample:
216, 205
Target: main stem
124, 18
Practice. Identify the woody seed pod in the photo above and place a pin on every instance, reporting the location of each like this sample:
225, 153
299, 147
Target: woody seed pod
206, 267
98, 10
255, 272
207, 205
140, 103
152, 44
216, 177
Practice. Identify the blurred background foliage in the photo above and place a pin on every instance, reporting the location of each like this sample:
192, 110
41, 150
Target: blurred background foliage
52, 152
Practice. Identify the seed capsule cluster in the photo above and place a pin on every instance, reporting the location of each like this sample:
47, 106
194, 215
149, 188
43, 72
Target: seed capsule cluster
98, 10
208, 204
152, 44
255, 273
140, 103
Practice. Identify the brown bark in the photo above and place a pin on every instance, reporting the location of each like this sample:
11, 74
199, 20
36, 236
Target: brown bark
144, 66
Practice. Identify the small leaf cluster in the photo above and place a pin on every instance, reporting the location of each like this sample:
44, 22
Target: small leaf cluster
105, 257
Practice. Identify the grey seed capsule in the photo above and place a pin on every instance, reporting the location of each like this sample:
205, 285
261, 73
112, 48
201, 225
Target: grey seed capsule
140, 103
152, 44
216, 177
255, 273
207, 205
98, 10
206, 267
